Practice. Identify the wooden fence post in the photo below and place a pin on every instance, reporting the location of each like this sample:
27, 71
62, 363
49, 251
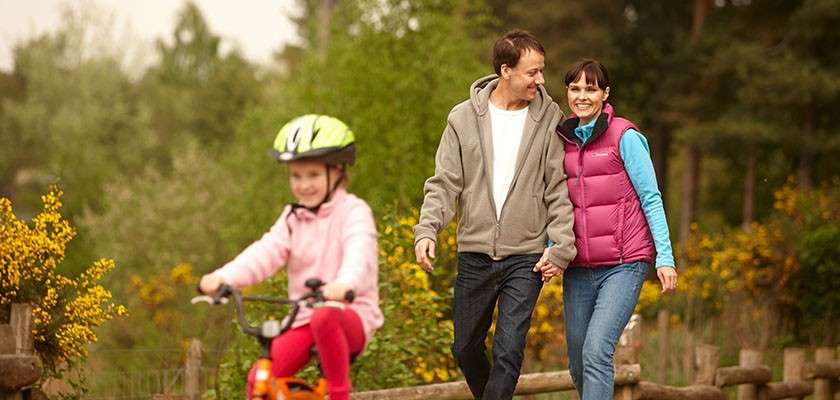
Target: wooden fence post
22, 323
19, 366
192, 371
627, 352
663, 321
749, 358
822, 386
688, 355
707, 360
794, 364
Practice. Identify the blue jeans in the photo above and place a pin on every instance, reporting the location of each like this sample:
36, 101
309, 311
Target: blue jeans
598, 303
480, 283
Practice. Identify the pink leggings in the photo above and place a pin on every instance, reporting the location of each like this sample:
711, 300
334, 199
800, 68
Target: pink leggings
336, 334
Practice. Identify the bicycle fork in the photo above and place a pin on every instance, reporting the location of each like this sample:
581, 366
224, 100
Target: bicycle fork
262, 380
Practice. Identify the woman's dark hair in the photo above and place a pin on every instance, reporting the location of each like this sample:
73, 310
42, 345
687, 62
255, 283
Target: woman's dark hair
596, 73
510, 47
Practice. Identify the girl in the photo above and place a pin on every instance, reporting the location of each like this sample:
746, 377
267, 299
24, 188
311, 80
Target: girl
328, 234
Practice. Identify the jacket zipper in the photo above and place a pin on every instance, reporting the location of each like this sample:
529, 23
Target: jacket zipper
496, 238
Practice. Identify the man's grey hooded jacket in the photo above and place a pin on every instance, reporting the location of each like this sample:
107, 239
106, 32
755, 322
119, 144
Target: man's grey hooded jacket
537, 206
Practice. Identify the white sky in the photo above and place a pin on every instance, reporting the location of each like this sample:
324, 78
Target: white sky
256, 27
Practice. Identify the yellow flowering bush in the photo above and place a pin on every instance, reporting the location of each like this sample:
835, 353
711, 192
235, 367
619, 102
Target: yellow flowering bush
162, 295
413, 346
547, 335
66, 310
780, 269
722, 267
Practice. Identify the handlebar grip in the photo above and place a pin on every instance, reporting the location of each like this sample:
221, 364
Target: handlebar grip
350, 296
224, 291
314, 284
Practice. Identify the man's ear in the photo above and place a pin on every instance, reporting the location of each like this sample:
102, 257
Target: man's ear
505, 71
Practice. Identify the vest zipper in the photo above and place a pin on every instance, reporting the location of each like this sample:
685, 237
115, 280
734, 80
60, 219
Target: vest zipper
621, 222
583, 202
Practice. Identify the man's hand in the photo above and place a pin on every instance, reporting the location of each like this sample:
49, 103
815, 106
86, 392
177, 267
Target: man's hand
209, 284
667, 278
424, 251
335, 291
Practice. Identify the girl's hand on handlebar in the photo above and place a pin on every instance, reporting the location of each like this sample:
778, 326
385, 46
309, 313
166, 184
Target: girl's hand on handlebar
335, 291
209, 284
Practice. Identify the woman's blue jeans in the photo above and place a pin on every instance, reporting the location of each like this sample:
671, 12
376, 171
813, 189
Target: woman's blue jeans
598, 303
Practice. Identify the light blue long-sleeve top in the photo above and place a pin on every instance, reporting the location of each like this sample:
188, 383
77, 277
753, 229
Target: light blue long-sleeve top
637, 162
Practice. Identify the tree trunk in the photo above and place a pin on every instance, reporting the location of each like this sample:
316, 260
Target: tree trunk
701, 8
804, 168
325, 12
691, 176
749, 191
661, 151
691, 181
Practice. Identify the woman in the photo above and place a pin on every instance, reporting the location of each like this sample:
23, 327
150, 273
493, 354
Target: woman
619, 226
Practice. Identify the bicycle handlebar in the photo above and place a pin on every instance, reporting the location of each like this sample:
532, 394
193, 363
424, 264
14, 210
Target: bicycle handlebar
314, 298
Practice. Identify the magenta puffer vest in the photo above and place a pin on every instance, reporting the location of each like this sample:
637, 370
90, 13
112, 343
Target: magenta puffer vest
610, 226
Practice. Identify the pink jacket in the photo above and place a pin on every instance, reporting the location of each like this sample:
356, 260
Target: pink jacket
337, 244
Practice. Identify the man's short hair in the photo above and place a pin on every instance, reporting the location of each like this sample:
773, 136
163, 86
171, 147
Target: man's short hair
510, 47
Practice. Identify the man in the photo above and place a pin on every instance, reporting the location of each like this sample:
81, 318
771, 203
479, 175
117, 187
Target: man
500, 167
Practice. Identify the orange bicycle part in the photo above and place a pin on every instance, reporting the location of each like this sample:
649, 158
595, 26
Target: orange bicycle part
267, 387
297, 389
263, 380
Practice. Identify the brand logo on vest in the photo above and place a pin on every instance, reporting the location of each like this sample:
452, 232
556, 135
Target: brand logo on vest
602, 154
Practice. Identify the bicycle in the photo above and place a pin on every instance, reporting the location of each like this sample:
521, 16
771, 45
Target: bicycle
266, 385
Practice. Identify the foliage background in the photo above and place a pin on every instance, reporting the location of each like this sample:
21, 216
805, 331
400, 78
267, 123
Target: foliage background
166, 170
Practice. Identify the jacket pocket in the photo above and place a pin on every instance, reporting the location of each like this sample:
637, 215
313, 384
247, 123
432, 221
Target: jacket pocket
463, 209
540, 218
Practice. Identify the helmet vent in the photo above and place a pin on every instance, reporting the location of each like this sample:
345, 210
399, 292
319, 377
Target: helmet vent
293, 141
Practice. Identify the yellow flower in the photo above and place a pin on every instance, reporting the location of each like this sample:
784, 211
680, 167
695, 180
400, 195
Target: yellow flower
65, 310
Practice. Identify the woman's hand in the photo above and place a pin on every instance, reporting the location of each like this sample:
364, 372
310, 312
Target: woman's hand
667, 278
335, 291
209, 284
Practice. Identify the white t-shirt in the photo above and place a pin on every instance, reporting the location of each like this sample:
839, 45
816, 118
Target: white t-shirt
506, 128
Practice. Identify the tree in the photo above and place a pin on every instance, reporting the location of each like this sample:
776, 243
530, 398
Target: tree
195, 90
11, 89
392, 71
75, 119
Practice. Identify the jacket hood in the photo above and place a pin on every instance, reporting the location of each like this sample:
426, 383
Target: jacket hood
480, 97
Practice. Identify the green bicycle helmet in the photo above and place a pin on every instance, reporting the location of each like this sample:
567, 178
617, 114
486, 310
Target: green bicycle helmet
315, 137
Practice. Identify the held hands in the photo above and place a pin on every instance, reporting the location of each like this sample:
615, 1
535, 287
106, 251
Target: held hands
667, 278
424, 251
546, 267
